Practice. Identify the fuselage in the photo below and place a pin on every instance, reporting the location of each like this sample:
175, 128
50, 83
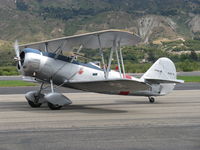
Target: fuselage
45, 66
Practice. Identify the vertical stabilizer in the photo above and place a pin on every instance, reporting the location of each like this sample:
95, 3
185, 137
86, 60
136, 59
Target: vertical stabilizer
162, 71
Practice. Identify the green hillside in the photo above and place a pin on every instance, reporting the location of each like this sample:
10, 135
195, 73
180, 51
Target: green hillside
33, 20
168, 27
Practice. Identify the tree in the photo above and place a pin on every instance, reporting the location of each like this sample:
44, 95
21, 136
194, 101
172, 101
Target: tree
152, 57
21, 5
193, 55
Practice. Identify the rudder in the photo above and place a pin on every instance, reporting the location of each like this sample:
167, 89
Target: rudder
162, 71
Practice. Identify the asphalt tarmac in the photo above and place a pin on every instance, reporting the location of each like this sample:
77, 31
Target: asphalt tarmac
103, 122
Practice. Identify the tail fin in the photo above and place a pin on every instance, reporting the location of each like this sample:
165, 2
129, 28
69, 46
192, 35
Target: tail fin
162, 71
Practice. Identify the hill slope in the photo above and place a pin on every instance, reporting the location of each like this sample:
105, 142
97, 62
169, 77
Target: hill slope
34, 20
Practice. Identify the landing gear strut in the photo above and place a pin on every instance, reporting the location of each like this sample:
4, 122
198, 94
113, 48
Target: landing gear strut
151, 99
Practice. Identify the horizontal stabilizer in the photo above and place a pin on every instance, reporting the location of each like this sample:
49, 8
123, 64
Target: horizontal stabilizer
163, 81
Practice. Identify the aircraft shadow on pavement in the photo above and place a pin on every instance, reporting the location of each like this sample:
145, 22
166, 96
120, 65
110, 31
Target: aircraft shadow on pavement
83, 108
93, 109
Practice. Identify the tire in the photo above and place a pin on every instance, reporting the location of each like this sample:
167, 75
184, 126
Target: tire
151, 99
34, 105
54, 107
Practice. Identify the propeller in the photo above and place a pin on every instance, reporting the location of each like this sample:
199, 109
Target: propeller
17, 57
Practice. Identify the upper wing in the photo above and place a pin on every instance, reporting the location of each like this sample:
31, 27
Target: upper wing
88, 40
110, 86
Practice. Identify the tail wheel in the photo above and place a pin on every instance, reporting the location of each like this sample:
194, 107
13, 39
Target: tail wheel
151, 99
54, 107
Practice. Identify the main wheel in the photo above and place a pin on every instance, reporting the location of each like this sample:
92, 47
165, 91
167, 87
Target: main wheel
54, 107
151, 99
34, 105
33, 98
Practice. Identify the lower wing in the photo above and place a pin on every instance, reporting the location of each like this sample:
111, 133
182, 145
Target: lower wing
119, 86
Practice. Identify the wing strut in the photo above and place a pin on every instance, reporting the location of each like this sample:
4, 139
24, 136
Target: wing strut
102, 57
110, 59
119, 56
59, 50
122, 60
80, 48
118, 62
46, 47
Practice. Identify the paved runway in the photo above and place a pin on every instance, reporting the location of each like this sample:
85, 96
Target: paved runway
97, 121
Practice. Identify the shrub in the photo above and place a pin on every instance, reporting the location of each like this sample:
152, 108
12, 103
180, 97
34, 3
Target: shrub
188, 66
9, 70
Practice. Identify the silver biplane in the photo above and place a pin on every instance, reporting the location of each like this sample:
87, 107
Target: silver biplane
45, 63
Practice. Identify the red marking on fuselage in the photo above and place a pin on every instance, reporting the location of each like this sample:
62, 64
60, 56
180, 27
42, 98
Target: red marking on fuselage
117, 68
127, 76
81, 71
124, 92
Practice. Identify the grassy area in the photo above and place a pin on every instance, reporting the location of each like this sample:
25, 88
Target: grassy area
8, 71
15, 83
190, 78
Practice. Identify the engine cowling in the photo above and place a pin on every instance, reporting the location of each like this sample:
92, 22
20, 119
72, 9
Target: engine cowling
30, 62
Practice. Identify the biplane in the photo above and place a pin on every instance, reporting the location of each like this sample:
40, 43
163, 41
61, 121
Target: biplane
45, 62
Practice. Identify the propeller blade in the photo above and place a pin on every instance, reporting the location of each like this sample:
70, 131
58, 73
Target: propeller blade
17, 53
16, 47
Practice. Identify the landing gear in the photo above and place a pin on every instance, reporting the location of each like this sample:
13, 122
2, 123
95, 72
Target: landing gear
35, 98
151, 99
34, 105
55, 101
54, 107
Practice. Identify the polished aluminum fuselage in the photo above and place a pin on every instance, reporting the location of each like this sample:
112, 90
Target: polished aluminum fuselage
44, 67
63, 70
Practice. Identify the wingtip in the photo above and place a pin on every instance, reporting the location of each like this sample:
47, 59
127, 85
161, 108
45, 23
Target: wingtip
181, 81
